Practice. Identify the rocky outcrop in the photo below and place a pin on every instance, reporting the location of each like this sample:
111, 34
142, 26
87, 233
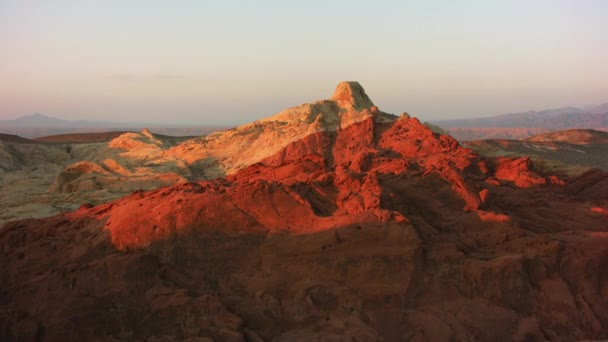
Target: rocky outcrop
235, 149
351, 95
109, 175
227, 152
379, 230
518, 171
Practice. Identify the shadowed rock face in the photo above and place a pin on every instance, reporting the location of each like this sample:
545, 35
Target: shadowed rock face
379, 230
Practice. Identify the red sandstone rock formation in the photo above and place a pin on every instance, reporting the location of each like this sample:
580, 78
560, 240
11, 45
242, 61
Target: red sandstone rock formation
375, 231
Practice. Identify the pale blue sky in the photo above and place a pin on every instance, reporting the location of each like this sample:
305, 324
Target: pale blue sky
224, 62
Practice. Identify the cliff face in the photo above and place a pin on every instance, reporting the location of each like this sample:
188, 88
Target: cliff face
368, 227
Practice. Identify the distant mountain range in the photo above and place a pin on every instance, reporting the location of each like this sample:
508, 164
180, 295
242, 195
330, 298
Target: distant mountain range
526, 124
40, 120
506, 126
39, 125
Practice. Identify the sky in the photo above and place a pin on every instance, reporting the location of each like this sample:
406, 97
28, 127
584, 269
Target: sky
230, 62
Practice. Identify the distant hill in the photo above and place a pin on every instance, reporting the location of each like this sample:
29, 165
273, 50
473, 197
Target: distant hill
526, 124
80, 137
39, 125
36, 120
574, 150
575, 136
15, 139
468, 134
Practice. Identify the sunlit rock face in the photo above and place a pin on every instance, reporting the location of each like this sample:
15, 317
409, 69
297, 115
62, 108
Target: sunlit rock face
350, 95
359, 225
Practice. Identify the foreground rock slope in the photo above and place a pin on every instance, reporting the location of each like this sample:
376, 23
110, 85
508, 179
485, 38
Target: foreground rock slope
366, 227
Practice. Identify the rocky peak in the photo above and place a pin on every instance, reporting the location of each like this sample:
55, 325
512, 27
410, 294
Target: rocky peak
351, 95
146, 133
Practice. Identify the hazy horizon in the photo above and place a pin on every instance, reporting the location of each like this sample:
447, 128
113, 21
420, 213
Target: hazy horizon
125, 122
233, 62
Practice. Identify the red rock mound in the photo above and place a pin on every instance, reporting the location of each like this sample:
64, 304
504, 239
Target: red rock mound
517, 171
377, 231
